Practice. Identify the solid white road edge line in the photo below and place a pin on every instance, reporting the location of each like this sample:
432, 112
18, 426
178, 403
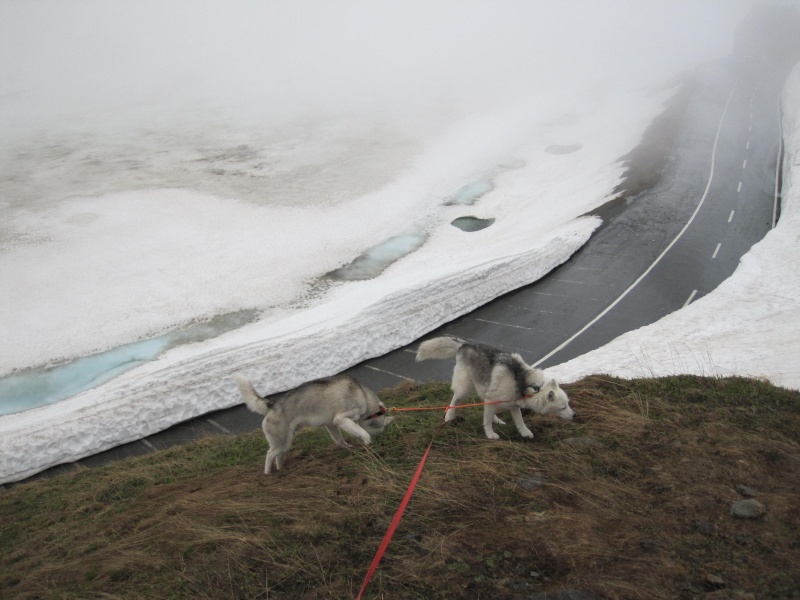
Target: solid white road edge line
667, 249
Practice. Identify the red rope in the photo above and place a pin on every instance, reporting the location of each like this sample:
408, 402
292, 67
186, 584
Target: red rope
397, 516
410, 491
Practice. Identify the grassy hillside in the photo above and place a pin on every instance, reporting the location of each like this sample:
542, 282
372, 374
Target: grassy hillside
633, 501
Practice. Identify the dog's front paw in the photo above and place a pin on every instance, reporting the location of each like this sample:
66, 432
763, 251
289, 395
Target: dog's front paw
492, 435
527, 434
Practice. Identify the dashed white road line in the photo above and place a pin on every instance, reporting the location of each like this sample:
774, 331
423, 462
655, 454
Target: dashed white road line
716, 250
730, 216
568, 281
739, 189
223, 429
390, 373
744, 164
690, 298
148, 444
527, 308
506, 325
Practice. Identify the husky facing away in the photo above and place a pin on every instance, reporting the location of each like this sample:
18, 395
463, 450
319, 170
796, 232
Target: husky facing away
338, 403
497, 376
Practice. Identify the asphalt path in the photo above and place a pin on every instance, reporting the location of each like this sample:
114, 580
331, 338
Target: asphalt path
668, 247
653, 254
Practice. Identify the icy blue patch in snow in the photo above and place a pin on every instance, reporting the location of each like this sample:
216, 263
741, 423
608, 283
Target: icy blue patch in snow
39, 387
470, 193
375, 260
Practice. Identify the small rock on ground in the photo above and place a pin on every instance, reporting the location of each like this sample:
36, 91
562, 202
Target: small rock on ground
746, 491
747, 509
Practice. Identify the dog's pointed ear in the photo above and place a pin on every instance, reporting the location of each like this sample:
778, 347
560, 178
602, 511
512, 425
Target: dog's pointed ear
551, 395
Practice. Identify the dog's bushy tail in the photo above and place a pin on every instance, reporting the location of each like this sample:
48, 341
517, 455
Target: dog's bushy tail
441, 347
254, 402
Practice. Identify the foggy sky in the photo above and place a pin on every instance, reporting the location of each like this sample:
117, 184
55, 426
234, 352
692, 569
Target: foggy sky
262, 61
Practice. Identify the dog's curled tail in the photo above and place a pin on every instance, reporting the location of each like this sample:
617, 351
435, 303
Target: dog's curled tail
441, 347
254, 402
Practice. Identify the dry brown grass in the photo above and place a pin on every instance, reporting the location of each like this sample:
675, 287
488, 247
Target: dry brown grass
634, 504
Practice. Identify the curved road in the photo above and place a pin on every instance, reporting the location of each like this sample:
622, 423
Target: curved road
652, 255
671, 245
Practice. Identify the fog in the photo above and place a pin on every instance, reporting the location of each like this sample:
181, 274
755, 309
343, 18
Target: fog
163, 163
255, 63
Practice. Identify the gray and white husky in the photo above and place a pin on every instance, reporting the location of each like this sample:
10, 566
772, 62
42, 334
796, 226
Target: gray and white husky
338, 403
497, 376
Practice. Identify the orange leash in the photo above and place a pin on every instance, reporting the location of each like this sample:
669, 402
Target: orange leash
410, 408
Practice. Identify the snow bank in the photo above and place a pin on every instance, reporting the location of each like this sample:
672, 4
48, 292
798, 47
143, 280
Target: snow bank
157, 396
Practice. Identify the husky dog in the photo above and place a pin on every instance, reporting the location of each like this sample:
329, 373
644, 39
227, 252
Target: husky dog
338, 403
497, 376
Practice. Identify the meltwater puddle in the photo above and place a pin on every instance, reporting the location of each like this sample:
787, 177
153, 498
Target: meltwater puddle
39, 387
470, 193
378, 258
470, 224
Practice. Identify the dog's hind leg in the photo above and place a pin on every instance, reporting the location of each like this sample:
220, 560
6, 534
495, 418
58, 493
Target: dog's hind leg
336, 435
279, 458
462, 389
279, 445
274, 456
516, 414
347, 425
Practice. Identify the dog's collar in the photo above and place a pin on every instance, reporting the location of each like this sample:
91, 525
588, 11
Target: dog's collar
381, 412
536, 390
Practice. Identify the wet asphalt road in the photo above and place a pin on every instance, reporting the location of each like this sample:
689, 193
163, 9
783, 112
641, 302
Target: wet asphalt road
653, 254
668, 247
